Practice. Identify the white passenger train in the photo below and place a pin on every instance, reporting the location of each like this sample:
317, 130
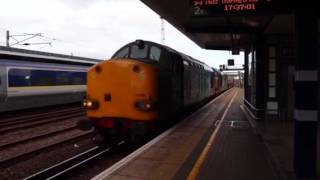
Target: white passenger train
29, 80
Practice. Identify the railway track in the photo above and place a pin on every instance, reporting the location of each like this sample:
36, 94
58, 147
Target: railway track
25, 140
39, 120
16, 121
58, 171
12, 152
23, 136
15, 115
24, 118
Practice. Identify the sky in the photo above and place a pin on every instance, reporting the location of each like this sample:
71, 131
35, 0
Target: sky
94, 28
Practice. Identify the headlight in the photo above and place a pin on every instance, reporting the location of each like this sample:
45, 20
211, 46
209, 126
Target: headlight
90, 104
143, 105
84, 104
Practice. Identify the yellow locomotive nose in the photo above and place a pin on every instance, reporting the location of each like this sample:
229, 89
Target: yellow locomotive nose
122, 89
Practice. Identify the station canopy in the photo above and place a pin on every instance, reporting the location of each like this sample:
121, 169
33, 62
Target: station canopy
226, 24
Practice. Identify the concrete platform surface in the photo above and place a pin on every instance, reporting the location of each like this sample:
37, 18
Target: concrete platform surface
234, 150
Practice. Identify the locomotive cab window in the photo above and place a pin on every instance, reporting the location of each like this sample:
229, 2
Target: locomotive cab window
124, 53
155, 53
139, 52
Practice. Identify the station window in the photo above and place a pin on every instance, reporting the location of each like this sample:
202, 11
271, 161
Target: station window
139, 53
155, 53
124, 53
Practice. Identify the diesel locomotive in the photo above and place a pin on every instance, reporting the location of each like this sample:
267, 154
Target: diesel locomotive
144, 83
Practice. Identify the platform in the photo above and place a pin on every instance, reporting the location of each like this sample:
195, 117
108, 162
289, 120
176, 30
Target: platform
216, 142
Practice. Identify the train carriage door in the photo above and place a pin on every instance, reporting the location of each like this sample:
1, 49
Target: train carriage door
170, 83
177, 83
3, 87
165, 85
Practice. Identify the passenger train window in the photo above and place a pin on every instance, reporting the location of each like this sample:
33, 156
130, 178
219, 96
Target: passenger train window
25, 77
43, 78
124, 53
62, 78
155, 53
78, 78
19, 77
139, 53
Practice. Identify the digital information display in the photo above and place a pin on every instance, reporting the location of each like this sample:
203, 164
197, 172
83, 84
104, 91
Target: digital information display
239, 7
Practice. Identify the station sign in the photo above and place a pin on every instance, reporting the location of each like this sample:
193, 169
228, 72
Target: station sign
239, 7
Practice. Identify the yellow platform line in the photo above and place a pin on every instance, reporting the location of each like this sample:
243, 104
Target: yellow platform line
196, 168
